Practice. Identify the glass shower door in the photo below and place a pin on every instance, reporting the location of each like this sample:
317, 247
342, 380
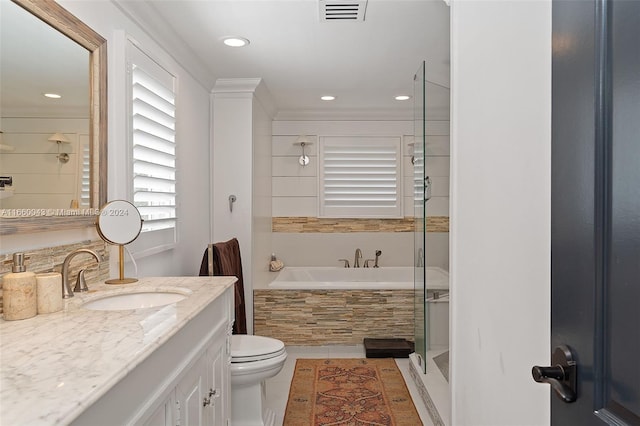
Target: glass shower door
418, 159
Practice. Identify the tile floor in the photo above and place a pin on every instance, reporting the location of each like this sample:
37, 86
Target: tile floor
278, 386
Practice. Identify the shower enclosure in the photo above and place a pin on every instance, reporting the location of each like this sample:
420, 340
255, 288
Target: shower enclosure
431, 109
419, 200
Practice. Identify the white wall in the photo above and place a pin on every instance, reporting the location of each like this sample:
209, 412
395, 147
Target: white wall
500, 210
262, 241
242, 115
295, 193
192, 151
232, 163
39, 179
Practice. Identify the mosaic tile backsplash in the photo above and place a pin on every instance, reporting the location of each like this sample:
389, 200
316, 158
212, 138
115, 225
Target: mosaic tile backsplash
51, 258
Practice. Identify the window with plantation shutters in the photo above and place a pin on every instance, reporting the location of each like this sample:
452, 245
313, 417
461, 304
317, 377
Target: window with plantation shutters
153, 144
360, 177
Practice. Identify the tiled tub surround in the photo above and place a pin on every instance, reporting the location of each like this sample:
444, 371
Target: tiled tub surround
321, 317
325, 225
324, 305
51, 258
55, 366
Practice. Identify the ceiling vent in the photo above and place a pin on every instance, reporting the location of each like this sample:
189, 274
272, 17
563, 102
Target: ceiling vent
342, 10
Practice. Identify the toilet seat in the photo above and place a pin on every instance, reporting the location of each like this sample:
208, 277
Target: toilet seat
248, 348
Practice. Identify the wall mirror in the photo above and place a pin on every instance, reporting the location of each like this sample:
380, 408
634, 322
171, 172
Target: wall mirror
86, 103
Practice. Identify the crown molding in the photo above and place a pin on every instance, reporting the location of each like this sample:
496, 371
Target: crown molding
245, 87
236, 85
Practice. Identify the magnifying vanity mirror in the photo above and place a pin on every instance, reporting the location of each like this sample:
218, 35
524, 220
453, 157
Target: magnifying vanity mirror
42, 38
119, 223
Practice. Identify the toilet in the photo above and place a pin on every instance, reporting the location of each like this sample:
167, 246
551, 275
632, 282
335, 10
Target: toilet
254, 359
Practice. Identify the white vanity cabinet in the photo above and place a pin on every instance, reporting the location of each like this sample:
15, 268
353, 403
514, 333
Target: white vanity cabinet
186, 381
201, 396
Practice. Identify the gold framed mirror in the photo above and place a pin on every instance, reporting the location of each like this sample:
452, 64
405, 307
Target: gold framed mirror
28, 220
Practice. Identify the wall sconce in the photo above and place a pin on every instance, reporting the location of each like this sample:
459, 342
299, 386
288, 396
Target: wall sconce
303, 141
59, 138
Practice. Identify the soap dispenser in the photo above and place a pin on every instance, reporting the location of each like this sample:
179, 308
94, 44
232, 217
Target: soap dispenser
19, 291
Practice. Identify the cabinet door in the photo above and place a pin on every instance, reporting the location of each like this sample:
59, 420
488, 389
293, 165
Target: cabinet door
164, 414
218, 381
190, 394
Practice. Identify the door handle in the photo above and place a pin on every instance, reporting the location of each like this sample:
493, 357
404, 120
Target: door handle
562, 375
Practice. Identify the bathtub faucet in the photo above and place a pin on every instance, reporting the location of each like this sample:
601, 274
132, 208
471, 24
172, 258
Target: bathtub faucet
378, 253
356, 261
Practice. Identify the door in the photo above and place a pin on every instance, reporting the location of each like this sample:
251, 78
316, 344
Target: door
419, 281
164, 414
191, 392
219, 379
595, 217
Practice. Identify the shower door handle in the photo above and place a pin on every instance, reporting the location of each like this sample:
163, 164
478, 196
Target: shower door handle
562, 375
427, 188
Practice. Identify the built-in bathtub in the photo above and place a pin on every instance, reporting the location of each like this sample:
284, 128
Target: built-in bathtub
328, 305
330, 278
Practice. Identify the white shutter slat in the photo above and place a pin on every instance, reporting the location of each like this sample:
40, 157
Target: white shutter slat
160, 88
148, 140
146, 96
140, 122
144, 154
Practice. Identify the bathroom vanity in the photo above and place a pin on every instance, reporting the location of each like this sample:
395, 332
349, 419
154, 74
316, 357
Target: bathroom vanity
117, 363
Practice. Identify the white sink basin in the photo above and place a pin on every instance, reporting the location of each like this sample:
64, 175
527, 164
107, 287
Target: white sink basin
140, 300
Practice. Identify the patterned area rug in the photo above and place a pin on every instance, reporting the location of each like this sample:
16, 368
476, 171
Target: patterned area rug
349, 392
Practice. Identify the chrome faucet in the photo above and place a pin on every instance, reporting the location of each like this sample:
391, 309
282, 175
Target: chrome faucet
356, 261
66, 288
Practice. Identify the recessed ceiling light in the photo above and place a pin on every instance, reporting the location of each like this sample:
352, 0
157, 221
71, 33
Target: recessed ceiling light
402, 97
235, 41
52, 95
327, 98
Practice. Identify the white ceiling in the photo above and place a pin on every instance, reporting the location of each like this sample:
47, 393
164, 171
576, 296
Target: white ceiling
300, 57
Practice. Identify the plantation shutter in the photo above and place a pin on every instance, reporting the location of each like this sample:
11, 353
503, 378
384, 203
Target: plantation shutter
360, 177
85, 172
153, 143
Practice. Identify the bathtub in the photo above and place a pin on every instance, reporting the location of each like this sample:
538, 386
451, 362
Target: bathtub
329, 305
332, 278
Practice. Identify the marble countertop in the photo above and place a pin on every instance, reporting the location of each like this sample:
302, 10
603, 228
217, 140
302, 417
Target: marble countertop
54, 366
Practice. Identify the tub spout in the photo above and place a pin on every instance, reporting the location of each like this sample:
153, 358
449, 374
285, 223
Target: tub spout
356, 261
